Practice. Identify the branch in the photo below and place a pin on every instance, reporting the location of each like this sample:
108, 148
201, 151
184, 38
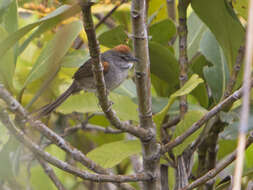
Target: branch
183, 58
89, 127
243, 126
229, 100
235, 72
15, 107
151, 148
110, 13
4, 117
220, 166
50, 172
99, 77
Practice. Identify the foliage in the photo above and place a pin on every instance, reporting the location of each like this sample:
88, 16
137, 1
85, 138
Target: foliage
43, 44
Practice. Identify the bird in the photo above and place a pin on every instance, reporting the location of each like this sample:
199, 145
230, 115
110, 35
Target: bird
116, 64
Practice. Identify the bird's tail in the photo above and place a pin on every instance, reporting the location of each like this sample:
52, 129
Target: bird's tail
47, 109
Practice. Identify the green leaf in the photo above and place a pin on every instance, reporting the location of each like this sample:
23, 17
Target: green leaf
164, 65
223, 22
59, 14
4, 5
49, 59
217, 75
191, 84
83, 102
161, 32
113, 37
87, 102
196, 29
75, 59
111, 154
241, 7
127, 88
189, 118
7, 65
225, 147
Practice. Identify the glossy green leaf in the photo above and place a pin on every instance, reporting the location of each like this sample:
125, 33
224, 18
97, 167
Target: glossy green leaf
196, 29
223, 22
113, 37
189, 118
60, 13
49, 59
164, 65
191, 84
111, 154
216, 75
161, 32
241, 7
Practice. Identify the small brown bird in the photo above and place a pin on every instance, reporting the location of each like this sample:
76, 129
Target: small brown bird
116, 63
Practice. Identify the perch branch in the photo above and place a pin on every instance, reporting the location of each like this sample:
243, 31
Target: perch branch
150, 147
104, 102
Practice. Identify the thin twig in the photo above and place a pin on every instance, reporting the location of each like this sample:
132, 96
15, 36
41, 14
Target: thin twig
171, 123
219, 167
50, 172
243, 127
15, 107
90, 127
4, 117
104, 102
232, 98
110, 13
151, 148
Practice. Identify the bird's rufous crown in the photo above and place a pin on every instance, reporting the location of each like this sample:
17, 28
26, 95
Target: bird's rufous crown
122, 48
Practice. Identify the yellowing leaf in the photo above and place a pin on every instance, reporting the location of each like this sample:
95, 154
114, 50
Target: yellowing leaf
191, 84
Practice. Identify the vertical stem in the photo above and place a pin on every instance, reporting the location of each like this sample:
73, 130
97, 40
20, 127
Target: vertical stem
183, 59
171, 9
245, 102
142, 77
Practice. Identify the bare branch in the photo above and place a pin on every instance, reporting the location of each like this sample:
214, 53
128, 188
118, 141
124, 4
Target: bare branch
232, 98
15, 107
151, 150
99, 77
110, 13
219, 167
4, 117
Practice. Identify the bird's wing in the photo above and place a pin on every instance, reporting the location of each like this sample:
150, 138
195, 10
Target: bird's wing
85, 70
